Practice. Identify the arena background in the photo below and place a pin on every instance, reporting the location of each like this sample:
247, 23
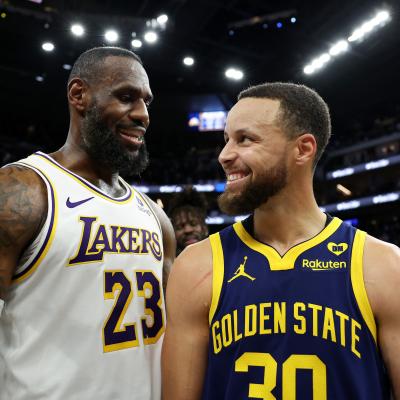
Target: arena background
358, 178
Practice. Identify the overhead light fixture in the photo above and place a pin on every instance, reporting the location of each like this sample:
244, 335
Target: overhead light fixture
77, 29
233, 73
339, 47
189, 61
150, 37
111, 36
39, 78
293, 20
67, 67
48, 46
379, 20
162, 19
136, 43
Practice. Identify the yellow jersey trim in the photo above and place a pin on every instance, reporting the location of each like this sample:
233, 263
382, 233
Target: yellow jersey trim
218, 273
89, 186
52, 209
287, 261
357, 281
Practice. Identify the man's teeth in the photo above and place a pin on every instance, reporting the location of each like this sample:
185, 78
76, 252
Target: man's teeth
234, 177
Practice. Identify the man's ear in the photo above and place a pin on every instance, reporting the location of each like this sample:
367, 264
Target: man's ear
306, 148
78, 95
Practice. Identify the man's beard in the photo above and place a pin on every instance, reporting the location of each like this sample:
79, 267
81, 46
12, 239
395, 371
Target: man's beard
255, 193
103, 146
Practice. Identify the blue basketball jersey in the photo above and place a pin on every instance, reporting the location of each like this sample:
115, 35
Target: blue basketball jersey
297, 326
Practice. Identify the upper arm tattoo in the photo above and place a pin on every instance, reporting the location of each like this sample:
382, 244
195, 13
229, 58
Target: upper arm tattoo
22, 212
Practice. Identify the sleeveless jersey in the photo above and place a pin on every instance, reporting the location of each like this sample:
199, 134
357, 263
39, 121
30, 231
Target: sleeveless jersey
85, 316
297, 326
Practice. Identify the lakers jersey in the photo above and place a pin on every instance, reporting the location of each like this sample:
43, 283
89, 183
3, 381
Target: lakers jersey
297, 326
85, 316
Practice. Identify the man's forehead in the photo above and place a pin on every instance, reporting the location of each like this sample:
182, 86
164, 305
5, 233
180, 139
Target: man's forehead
118, 69
254, 110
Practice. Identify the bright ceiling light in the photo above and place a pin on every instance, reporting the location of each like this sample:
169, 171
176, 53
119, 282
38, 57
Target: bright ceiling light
339, 47
233, 73
77, 29
189, 61
382, 16
111, 36
48, 46
150, 37
136, 43
162, 19
368, 26
67, 67
308, 70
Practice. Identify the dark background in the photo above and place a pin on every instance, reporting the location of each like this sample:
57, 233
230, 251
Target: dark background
360, 86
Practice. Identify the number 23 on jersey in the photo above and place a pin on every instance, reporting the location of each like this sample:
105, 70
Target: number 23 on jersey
118, 287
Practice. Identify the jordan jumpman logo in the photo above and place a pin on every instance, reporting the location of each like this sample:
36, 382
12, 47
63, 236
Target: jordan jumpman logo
240, 272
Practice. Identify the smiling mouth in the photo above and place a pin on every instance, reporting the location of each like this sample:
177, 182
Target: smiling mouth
133, 137
235, 177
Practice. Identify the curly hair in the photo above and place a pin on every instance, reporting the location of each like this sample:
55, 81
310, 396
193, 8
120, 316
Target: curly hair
189, 200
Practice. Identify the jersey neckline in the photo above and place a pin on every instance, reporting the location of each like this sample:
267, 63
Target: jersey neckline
287, 261
94, 189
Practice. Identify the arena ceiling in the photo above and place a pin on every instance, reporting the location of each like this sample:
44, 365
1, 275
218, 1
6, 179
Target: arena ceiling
218, 34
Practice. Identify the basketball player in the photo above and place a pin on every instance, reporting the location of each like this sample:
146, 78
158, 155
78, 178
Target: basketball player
188, 217
290, 303
82, 252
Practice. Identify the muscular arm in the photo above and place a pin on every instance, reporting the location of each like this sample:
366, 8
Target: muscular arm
23, 205
184, 358
169, 242
382, 281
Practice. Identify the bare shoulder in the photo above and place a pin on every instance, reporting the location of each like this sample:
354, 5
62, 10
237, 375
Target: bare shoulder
166, 224
381, 274
23, 208
167, 231
23, 203
191, 277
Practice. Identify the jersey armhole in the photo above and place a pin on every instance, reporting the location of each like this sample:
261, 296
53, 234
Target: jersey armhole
46, 234
217, 273
357, 281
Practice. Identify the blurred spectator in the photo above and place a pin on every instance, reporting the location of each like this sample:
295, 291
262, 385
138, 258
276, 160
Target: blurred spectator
188, 211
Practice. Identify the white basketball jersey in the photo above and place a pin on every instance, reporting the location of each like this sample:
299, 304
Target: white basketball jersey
85, 317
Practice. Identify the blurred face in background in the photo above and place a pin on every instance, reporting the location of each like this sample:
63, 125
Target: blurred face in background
189, 226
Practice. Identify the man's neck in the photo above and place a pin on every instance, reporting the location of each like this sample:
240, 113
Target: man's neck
78, 161
288, 219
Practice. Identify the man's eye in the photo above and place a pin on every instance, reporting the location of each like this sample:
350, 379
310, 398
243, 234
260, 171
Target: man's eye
125, 98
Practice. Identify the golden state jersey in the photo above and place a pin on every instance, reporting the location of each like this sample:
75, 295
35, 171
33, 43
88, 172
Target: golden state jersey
297, 326
85, 316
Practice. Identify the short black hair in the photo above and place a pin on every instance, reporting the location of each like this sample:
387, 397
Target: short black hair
88, 64
301, 110
190, 201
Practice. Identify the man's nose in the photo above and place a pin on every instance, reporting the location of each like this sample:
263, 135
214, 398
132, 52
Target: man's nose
227, 154
140, 113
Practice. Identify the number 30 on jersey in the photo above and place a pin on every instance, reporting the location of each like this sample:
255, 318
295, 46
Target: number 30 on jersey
118, 287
